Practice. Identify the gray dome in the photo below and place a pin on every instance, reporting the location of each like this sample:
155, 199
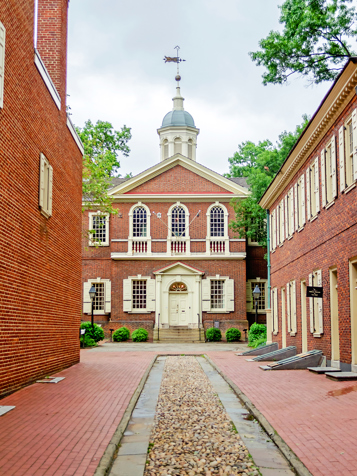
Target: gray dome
178, 118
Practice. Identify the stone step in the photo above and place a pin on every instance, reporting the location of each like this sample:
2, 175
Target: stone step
179, 335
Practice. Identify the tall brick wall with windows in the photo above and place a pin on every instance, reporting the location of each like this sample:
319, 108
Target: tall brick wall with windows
40, 265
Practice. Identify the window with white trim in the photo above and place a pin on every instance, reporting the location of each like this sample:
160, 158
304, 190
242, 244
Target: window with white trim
328, 173
275, 310
291, 307
189, 148
177, 145
139, 222
313, 189
262, 303
218, 294
281, 222
45, 188
178, 221
98, 229
217, 221
301, 201
315, 305
348, 151
102, 299
2, 63
139, 294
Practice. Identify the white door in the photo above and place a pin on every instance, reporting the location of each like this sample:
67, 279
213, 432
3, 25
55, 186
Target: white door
178, 309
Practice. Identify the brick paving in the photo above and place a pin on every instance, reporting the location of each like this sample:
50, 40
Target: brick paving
315, 416
63, 429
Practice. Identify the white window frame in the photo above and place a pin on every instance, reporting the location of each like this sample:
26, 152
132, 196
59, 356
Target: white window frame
313, 192
2, 62
228, 290
128, 294
171, 238
87, 303
45, 187
98, 243
291, 307
139, 240
225, 237
348, 158
316, 306
249, 294
301, 202
328, 173
275, 310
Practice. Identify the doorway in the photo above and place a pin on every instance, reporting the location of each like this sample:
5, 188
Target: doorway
178, 305
335, 336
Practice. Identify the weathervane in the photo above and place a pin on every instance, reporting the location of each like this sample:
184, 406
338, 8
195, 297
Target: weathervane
175, 59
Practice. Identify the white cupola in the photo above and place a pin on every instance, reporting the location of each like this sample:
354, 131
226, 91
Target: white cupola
178, 133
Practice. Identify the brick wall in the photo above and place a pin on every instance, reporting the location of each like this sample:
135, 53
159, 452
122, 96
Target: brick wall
40, 265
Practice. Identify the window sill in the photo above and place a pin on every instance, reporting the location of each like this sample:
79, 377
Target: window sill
290, 237
140, 311
301, 228
329, 205
317, 334
218, 311
281, 244
275, 333
44, 213
292, 334
349, 188
313, 218
97, 245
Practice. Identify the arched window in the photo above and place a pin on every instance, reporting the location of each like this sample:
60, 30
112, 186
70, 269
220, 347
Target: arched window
166, 148
139, 222
178, 221
217, 221
177, 146
178, 288
189, 148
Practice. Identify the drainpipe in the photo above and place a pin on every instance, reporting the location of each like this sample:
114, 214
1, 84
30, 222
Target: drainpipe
268, 310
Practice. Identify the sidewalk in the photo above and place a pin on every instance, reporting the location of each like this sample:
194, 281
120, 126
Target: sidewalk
315, 416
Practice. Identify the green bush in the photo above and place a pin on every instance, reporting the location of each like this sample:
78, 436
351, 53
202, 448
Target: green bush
121, 334
256, 331
88, 341
96, 332
233, 334
140, 335
213, 334
259, 342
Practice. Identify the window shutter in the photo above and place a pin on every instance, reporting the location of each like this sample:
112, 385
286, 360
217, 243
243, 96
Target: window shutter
108, 296
296, 206
317, 187
286, 217
272, 307
278, 233
293, 306
87, 303
42, 181
150, 295
308, 206
291, 218
334, 167
354, 138
323, 177
319, 300
127, 297
311, 304
282, 218
288, 313
249, 296
341, 152
229, 285
206, 295
276, 320
302, 207
271, 231
50, 184
2, 63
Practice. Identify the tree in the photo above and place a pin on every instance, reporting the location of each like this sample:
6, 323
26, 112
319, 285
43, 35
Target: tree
259, 163
313, 43
102, 145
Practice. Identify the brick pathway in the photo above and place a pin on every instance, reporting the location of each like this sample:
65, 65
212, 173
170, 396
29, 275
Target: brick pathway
315, 416
63, 429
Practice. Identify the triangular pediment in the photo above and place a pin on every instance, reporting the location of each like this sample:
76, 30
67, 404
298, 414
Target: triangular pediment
180, 269
178, 175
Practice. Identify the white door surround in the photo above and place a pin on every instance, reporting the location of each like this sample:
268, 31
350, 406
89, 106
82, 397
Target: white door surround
179, 310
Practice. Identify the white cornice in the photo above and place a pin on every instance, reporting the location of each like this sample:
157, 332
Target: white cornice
174, 197
124, 257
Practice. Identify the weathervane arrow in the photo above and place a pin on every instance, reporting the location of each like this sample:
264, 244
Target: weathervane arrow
174, 59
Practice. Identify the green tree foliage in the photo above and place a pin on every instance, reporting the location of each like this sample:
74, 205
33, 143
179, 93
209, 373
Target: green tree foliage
96, 332
102, 146
259, 163
314, 41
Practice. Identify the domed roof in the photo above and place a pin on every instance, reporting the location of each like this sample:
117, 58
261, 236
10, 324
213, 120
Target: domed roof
178, 118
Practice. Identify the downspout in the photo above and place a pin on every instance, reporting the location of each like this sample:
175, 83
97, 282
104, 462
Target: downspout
268, 253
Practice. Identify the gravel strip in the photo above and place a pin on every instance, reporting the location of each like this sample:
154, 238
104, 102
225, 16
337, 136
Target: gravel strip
192, 433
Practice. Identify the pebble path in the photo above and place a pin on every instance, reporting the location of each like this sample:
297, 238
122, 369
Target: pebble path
192, 432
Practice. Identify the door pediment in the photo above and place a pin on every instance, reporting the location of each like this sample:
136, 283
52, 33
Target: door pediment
179, 269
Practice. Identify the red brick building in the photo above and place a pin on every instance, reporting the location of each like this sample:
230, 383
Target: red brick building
168, 259
313, 231
40, 198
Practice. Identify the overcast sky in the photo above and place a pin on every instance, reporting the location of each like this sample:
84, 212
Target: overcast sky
116, 73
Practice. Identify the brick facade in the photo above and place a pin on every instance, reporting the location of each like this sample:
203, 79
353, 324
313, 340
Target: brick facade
40, 298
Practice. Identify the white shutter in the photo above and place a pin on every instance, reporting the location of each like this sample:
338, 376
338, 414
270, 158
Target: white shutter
319, 301
229, 285
354, 138
87, 303
293, 306
276, 320
150, 295
2, 63
296, 206
323, 177
287, 216
127, 297
282, 218
108, 296
278, 233
291, 210
271, 231
50, 186
288, 313
334, 167
311, 304
302, 205
341, 152
317, 187
42, 180
249, 296
206, 295
272, 306
308, 206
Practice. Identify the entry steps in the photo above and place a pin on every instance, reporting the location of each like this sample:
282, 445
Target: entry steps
264, 349
279, 354
179, 334
342, 376
323, 370
312, 358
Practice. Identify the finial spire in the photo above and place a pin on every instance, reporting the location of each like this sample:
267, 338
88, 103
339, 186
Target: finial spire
178, 99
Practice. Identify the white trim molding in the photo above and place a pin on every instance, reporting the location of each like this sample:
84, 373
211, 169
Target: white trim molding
47, 79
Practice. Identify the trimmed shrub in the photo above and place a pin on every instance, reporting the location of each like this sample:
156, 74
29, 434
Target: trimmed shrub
256, 331
88, 341
233, 334
96, 332
213, 334
140, 335
259, 342
121, 334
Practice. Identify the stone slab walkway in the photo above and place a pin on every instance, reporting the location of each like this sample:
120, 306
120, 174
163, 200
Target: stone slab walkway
315, 416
